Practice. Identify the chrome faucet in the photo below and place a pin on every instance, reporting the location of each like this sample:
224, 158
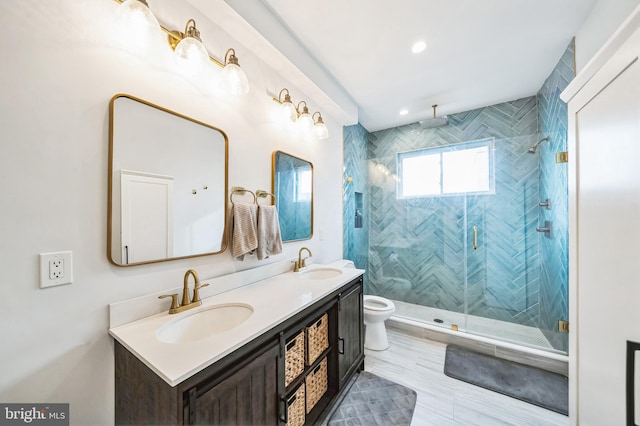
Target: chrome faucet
300, 264
186, 303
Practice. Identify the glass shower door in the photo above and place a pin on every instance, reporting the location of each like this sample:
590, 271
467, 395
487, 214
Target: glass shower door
418, 261
503, 269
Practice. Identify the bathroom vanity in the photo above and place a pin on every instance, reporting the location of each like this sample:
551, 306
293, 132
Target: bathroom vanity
246, 375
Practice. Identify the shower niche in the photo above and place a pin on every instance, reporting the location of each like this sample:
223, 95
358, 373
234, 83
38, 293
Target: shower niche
358, 210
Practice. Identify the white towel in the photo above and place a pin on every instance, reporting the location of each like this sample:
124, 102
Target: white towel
244, 238
269, 239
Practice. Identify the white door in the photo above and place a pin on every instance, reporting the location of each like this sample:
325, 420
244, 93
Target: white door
608, 235
147, 217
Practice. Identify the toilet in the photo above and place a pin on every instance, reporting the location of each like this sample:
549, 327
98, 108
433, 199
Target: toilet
376, 311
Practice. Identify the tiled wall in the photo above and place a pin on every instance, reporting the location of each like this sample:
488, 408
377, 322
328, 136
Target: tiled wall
356, 241
552, 112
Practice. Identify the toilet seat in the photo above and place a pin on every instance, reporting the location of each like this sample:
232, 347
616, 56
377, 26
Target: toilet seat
376, 303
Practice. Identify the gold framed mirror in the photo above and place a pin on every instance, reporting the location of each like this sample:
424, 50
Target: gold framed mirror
292, 185
167, 196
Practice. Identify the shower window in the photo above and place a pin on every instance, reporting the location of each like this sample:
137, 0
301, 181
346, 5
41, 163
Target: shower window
454, 169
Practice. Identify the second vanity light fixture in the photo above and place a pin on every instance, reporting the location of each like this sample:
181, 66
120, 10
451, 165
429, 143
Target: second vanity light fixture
188, 48
295, 113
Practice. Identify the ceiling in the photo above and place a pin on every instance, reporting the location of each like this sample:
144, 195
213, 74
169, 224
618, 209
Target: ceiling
478, 53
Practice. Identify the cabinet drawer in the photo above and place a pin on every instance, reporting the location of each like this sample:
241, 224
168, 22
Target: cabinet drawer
316, 384
295, 407
317, 338
294, 358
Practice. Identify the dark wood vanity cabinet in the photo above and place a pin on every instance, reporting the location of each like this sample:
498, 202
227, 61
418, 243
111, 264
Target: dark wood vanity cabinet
247, 387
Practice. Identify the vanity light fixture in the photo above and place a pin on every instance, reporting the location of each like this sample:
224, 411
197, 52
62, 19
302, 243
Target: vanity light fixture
136, 23
319, 128
288, 110
234, 80
189, 52
304, 117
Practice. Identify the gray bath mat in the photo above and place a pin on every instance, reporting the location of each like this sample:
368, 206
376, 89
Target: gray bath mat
533, 385
372, 401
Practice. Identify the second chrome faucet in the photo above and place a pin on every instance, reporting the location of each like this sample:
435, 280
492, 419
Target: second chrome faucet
186, 303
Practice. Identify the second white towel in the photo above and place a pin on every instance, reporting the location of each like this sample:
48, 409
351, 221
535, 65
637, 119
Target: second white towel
269, 239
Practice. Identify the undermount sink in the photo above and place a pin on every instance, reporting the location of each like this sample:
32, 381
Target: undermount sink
205, 323
321, 273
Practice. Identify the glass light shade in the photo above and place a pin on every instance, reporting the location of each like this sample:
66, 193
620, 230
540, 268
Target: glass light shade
136, 28
191, 55
305, 120
321, 131
234, 81
289, 111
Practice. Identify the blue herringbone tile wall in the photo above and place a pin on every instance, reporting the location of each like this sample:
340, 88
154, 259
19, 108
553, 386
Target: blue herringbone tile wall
356, 241
553, 185
417, 247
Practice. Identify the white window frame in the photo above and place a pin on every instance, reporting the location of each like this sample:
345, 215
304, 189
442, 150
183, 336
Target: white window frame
489, 143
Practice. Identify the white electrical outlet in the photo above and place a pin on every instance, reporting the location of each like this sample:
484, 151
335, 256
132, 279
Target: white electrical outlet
56, 268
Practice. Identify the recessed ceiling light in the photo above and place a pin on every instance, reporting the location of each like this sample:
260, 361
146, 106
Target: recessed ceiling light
418, 46
404, 112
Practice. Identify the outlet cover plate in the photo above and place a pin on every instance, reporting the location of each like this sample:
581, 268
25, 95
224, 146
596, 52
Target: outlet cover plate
62, 274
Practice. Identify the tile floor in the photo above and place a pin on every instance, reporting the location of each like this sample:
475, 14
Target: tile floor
418, 364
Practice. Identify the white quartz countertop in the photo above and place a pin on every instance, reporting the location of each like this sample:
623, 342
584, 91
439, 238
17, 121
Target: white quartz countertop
273, 300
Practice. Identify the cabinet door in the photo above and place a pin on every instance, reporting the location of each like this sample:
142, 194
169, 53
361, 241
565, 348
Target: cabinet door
350, 331
247, 397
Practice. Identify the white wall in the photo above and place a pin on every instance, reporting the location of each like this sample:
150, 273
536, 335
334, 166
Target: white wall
605, 17
58, 72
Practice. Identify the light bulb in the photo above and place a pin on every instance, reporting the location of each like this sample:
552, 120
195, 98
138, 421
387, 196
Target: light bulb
321, 131
289, 111
191, 55
136, 28
234, 80
305, 120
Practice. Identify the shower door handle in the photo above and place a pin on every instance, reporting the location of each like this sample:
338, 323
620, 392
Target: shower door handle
475, 238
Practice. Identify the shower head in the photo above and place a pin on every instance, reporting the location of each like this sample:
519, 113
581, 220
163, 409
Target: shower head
532, 150
434, 122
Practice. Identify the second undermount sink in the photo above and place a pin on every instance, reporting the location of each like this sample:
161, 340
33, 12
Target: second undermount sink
321, 273
205, 323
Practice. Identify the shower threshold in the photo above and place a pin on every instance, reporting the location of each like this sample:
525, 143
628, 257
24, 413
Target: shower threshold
485, 327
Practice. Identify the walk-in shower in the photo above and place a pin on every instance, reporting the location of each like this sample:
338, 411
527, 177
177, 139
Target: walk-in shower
454, 226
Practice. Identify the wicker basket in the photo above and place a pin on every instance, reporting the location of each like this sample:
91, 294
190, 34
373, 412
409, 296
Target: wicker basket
294, 358
295, 408
317, 338
316, 384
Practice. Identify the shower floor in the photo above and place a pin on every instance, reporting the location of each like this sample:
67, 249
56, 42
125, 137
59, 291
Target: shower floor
501, 330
